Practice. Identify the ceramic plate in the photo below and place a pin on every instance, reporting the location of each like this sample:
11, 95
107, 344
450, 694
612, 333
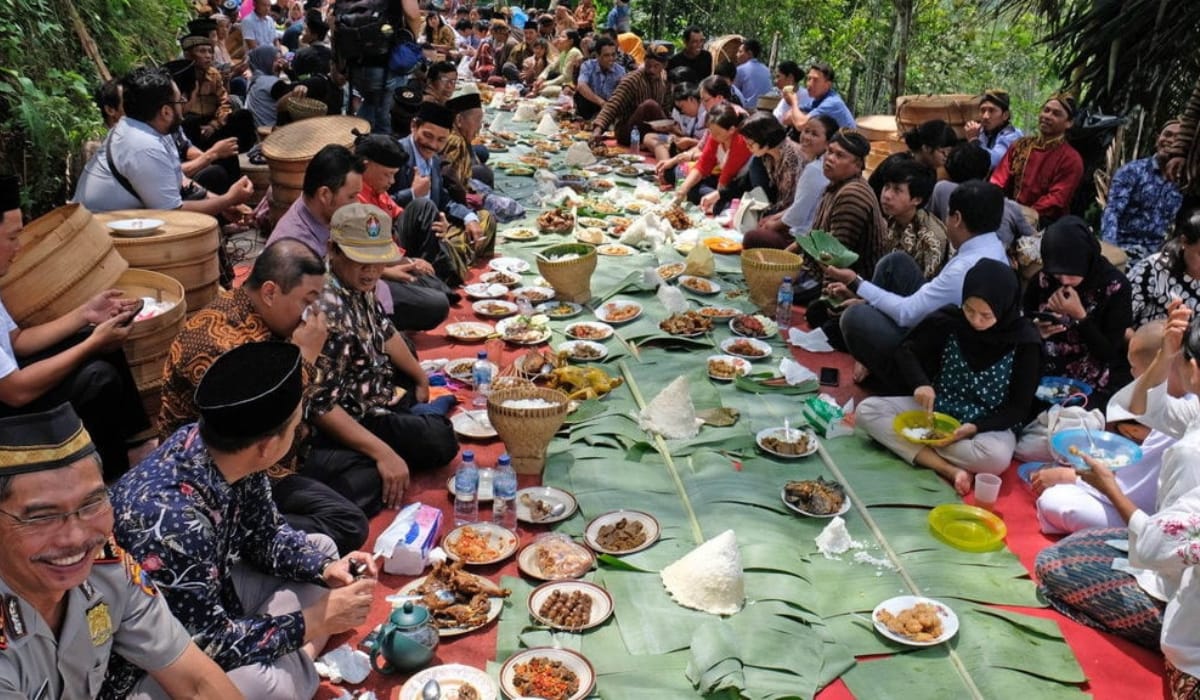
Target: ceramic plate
469, 331
550, 497
797, 509
485, 485
514, 265
580, 559
134, 228
503, 541
508, 279
737, 324
559, 309
589, 330
738, 366
519, 234
530, 336
573, 661
649, 525
718, 311
904, 602
670, 271
602, 603
748, 348
698, 285
494, 308
482, 290
619, 311
535, 295
473, 424
452, 678
461, 369
592, 222
778, 433
495, 605
583, 350
614, 250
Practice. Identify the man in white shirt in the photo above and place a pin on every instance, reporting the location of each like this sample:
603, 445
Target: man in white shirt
258, 27
897, 298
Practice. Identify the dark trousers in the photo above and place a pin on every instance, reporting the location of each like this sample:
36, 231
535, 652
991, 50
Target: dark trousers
413, 232
104, 396
647, 111
585, 108
420, 305
316, 507
870, 335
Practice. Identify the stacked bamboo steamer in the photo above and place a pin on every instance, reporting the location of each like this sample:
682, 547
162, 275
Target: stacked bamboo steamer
184, 248
289, 149
880, 130
955, 109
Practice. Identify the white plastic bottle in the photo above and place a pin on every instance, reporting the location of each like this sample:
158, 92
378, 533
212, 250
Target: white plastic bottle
504, 494
635, 141
466, 487
481, 374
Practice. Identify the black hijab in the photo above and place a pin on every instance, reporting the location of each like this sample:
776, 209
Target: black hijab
1070, 248
996, 284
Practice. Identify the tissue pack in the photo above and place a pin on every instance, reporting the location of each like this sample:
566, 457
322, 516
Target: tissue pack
825, 417
405, 544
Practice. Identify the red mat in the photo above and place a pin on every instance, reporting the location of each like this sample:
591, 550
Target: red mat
1116, 669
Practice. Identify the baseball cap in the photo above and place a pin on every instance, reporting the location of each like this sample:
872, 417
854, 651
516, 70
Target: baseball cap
364, 233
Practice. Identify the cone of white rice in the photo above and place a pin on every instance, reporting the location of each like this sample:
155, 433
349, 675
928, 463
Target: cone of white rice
709, 578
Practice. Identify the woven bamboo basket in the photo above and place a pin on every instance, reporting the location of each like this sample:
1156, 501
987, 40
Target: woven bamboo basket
526, 432
877, 127
955, 109
764, 270
306, 107
150, 340
185, 249
571, 279
289, 149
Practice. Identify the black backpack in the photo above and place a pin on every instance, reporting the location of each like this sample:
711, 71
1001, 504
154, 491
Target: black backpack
359, 28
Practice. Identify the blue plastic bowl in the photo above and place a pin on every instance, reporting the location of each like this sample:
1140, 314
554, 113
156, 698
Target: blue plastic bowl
1119, 451
1061, 389
1026, 471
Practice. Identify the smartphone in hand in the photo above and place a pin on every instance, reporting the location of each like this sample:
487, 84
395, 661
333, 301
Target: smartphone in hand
829, 376
133, 313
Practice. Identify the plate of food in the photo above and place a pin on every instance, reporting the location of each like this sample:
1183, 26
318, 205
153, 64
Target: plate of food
815, 498
558, 220
619, 311
480, 544
535, 295
1114, 451
592, 222
699, 285
924, 428
753, 326
519, 234
548, 673
591, 236
520, 170
678, 218
473, 601
508, 279
915, 621
473, 424
524, 330
535, 161
135, 228
554, 557
670, 271
718, 311
559, 309
622, 532
469, 331
511, 265
789, 443
636, 208
597, 208
615, 250
544, 504
726, 368
599, 169
748, 348
582, 351
722, 245
463, 367
628, 171
483, 290
599, 184
618, 224
494, 308
688, 324
589, 330
573, 606
457, 681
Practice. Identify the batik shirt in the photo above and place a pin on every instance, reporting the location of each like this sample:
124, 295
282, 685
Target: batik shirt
356, 371
1154, 285
1141, 206
186, 526
924, 238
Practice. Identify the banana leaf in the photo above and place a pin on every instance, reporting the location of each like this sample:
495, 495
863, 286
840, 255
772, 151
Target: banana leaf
772, 383
824, 248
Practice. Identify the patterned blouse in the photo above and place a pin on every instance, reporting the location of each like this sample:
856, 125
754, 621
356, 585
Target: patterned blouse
1153, 286
924, 238
785, 173
177, 516
356, 371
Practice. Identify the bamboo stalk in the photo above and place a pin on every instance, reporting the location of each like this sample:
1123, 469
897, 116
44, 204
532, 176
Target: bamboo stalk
86, 40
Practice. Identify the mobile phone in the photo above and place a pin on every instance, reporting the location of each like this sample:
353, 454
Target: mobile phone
829, 376
1050, 317
137, 309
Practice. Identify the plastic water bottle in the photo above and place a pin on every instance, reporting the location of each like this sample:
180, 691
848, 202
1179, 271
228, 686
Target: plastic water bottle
635, 141
504, 494
481, 373
524, 306
783, 305
466, 486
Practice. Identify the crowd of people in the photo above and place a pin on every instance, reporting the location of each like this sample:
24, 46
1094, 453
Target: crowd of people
294, 407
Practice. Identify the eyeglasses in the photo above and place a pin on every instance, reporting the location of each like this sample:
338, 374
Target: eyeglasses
47, 524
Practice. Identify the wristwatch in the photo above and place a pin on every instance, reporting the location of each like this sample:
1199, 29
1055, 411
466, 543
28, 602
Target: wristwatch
854, 284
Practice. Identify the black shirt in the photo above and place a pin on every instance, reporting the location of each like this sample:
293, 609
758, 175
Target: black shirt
701, 66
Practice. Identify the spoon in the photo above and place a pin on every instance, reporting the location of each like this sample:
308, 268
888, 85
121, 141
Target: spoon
1091, 443
432, 690
557, 510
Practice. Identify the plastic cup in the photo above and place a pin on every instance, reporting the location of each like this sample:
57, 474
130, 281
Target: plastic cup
987, 490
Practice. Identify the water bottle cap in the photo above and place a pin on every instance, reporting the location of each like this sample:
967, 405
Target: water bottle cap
482, 354
787, 279
504, 459
437, 380
468, 456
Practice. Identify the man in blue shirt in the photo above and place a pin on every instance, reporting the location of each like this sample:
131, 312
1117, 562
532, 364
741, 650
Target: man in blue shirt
598, 78
1141, 200
822, 99
993, 131
620, 17
753, 78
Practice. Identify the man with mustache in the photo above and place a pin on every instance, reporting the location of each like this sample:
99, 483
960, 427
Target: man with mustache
69, 596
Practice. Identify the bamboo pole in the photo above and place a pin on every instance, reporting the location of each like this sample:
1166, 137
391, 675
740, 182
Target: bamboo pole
85, 39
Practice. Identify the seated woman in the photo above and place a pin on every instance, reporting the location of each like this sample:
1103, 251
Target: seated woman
977, 363
1172, 273
1081, 305
563, 69
687, 129
780, 157
929, 144
714, 91
779, 229
713, 181
537, 63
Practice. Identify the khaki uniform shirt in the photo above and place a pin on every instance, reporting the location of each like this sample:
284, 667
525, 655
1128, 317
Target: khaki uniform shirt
116, 609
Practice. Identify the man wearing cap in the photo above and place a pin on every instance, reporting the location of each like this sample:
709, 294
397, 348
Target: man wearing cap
69, 596
370, 383
994, 131
466, 235
823, 98
642, 96
420, 301
460, 154
259, 597
598, 79
1042, 172
76, 358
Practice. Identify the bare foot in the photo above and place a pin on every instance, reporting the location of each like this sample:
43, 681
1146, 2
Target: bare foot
962, 482
861, 373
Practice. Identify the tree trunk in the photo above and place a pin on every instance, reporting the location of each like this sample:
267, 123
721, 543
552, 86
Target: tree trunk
904, 19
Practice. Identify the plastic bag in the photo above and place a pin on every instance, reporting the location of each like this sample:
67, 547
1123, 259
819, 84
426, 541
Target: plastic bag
699, 262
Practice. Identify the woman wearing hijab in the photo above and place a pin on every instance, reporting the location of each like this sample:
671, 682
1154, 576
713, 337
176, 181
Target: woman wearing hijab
977, 363
1082, 306
268, 92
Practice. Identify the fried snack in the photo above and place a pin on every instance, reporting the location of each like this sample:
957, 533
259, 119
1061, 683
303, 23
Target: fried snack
816, 496
678, 218
622, 535
615, 312
698, 284
469, 604
558, 220
686, 323
570, 610
474, 546
724, 368
920, 623
543, 678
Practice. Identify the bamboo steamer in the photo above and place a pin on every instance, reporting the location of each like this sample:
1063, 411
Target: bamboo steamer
526, 432
764, 270
289, 149
150, 340
66, 258
570, 279
877, 127
260, 175
955, 109
185, 248
725, 48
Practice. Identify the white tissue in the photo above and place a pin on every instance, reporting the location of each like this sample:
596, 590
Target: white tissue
794, 372
671, 298
344, 663
812, 341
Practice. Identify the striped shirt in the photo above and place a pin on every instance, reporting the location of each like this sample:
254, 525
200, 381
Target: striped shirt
634, 89
850, 212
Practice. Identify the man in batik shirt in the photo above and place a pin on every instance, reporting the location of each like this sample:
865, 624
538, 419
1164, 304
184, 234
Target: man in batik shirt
1142, 202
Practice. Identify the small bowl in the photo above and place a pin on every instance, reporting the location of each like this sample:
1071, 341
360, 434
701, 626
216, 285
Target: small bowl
910, 420
968, 528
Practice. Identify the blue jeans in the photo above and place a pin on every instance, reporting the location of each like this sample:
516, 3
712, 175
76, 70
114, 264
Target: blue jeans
376, 85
